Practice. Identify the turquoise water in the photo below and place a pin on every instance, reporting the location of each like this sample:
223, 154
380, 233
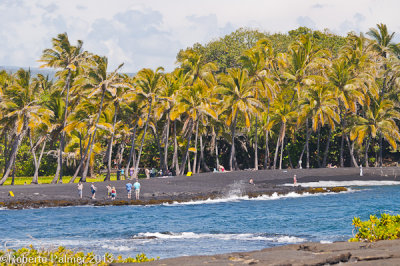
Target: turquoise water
233, 224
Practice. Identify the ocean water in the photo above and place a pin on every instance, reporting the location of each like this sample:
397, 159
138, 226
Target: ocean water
234, 223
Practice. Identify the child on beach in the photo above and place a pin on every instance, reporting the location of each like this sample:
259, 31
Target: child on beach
129, 189
93, 189
147, 171
113, 193
80, 189
137, 189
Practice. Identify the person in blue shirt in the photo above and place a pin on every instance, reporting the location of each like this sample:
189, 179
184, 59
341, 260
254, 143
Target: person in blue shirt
136, 185
129, 189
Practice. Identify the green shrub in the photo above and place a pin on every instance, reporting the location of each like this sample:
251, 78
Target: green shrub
62, 256
385, 228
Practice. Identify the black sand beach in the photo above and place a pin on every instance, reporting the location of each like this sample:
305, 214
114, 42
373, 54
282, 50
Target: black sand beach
184, 188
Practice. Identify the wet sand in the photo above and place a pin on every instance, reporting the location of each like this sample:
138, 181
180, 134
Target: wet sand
184, 188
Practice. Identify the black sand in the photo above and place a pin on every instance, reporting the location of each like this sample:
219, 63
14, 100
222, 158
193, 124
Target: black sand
183, 188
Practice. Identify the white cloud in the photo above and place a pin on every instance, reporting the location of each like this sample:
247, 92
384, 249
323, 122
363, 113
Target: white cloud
150, 33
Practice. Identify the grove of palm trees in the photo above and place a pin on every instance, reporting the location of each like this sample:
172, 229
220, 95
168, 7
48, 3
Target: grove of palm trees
247, 100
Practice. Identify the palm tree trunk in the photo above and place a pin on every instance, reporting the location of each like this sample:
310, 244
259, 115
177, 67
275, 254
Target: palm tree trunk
216, 152
128, 165
266, 160
341, 157
233, 144
35, 179
195, 147
13, 155
91, 142
256, 147
136, 170
62, 138
327, 148
366, 151
351, 151
82, 161
166, 144
307, 145
13, 175
202, 161
108, 176
277, 147
282, 146
318, 140
380, 150
182, 167
175, 161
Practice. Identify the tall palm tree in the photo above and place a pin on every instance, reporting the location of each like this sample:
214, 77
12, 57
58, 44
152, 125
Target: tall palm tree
238, 94
192, 105
148, 84
98, 82
259, 61
66, 57
319, 104
385, 47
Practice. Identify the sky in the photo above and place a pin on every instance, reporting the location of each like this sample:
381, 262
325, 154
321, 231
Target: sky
150, 33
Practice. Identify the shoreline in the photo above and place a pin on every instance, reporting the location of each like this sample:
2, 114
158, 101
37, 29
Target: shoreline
202, 186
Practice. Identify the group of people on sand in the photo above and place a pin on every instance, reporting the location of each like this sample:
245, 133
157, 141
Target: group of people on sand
112, 191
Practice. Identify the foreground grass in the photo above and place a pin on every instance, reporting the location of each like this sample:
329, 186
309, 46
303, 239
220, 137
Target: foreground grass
26, 180
62, 256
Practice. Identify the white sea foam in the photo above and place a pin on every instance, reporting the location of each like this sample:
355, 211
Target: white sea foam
274, 196
325, 242
243, 237
352, 183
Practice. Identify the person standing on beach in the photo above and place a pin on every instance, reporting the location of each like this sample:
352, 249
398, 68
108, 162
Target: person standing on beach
80, 189
113, 193
93, 189
137, 189
147, 171
131, 172
109, 191
129, 189
294, 180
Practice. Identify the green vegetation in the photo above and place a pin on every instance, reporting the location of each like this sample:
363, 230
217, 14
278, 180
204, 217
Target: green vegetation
247, 100
62, 256
385, 228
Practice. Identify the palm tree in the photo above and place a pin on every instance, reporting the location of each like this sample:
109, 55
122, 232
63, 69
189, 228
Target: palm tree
238, 94
319, 103
380, 116
192, 105
259, 61
148, 84
385, 47
66, 57
98, 82
20, 106
282, 114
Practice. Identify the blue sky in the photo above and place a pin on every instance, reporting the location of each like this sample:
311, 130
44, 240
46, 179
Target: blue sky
150, 33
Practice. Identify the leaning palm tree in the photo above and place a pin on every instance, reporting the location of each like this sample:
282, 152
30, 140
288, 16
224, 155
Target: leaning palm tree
20, 106
66, 57
238, 95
